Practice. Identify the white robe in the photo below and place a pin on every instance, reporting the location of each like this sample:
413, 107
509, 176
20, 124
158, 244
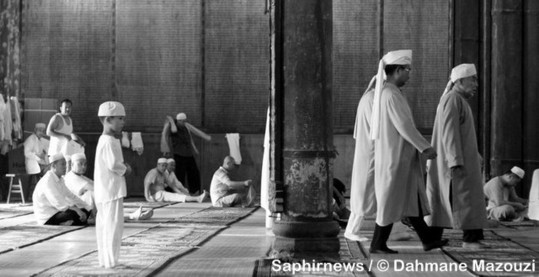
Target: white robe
398, 173
82, 187
455, 141
362, 197
35, 153
533, 206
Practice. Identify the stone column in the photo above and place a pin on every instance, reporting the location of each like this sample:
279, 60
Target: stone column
305, 227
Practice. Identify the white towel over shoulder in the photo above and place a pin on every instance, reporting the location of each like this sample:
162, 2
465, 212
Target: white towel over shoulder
234, 146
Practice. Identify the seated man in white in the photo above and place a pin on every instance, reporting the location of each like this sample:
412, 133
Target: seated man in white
155, 183
80, 185
172, 180
503, 202
53, 203
35, 153
227, 193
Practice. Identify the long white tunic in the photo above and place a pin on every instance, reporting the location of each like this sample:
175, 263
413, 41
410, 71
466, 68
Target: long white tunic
362, 198
82, 187
455, 141
398, 173
35, 153
109, 170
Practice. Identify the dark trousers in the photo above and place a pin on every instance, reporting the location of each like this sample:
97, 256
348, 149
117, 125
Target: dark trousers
188, 166
381, 234
470, 235
61, 217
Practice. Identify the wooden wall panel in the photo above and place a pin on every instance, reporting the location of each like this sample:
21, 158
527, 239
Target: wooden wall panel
158, 60
422, 26
66, 54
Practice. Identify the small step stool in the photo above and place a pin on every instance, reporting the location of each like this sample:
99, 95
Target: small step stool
14, 187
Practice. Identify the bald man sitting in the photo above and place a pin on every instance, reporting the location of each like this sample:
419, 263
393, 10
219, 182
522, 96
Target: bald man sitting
156, 181
227, 193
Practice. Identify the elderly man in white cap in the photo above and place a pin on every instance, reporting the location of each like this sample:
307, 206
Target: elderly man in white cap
53, 203
454, 183
503, 201
35, 153
156, 181
78, 184
177, 140
398, 177
109, 183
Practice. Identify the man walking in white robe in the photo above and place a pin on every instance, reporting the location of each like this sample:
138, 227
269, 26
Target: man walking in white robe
398, 175
454, 183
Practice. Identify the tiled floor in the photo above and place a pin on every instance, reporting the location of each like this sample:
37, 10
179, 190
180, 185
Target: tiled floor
233, 251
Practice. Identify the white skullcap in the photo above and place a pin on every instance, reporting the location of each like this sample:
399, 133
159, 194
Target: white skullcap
170, 161
111, 108
56, 157
40, 125
458, 72
518, 171
78, 156
400, 57
162, 160
181, 116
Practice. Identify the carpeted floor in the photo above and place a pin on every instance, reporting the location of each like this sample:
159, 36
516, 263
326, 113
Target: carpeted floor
19, 236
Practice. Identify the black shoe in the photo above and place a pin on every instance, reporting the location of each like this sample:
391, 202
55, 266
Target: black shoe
435, 244
385, 250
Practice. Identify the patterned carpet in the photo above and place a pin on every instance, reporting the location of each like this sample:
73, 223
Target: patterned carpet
501, 250
23, 235
14, 210
146, 252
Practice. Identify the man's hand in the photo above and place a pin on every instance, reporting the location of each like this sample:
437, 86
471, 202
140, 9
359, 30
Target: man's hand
457, 172
248, 182
82, 215
429, 153
128, 169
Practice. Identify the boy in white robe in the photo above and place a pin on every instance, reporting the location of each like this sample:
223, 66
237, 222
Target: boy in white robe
109, 183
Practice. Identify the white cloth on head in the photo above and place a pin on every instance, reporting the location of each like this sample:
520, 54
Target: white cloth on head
234, 146
162, 160
400, 57
78, 156
181, 116
109, 170
518, 171
533, 204
136, 142
265, 174
458, 72
125, 140
40, 125
35, 154
109, 227
56, 157
111, 108
170, 161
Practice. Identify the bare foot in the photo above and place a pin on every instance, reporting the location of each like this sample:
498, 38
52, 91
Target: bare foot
201, 197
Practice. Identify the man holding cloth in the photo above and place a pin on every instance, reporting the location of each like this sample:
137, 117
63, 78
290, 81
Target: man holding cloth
454, 183
398, 176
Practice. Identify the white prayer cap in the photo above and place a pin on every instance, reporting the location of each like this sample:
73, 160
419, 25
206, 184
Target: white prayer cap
181, 116
462, 71
111, 108
162, 161
78, 156
40, 125
56, 157
518, 171
170, 161
400, 57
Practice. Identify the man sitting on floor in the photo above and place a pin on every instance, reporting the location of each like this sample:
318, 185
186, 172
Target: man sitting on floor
172, 180
53, 203
155, 183
80, 185
227, 193
503, 202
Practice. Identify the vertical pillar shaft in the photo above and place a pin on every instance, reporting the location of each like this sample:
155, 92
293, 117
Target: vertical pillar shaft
307, 149
506, 147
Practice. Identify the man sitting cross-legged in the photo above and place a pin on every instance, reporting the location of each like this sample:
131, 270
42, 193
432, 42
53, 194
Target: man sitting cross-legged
80, 185
155, 183
227, 193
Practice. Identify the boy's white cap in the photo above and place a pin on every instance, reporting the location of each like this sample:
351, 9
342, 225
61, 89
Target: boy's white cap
40, 125
56, 157
111, 108
78, 156
162, 161
518, 171
170, 161
181, 116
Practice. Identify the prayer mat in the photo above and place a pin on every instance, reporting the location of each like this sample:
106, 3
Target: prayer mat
141, 254
518, 225
513, 257
12, 213
145, 205
14, 210
19, 236
217, 216
351, 254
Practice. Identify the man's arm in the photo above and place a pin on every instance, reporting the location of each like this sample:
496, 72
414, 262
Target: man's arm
148, 182
53, 125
